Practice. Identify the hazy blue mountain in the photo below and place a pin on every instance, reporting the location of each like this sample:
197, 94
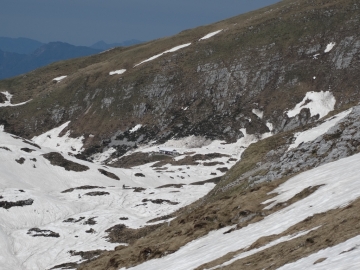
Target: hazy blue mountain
102, 45
19, 45
12, 64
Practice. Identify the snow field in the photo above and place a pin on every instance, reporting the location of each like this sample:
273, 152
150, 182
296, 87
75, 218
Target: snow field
341, 186
44, 184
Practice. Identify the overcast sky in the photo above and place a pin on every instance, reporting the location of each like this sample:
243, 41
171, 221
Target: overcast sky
84, 22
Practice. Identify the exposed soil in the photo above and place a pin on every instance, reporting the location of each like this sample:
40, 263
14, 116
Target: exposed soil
160, 218
172, 186
36, 232
3, 98
31, 143
109, 174
28, 150
90, 221
336, 226
57, 159
139, 189
159, 201
214, 180
97, 193
8, 205
20, 160
222, 169
5, 148
189, 160
73, 220
139, 175
214, 163
80, 188
122, 234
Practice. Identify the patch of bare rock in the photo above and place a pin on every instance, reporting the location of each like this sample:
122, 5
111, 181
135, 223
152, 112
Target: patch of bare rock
57, 159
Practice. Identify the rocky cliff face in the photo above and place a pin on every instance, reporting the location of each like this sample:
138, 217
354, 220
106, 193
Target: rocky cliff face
266, 61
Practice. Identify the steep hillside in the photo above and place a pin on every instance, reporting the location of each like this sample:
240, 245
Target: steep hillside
265, 60
240, 141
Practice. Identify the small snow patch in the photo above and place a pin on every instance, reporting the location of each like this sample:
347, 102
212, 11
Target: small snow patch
320, 103
270, 126
59, 79
210, 35
120, 71
160, 54
329, 47
137, 127
258, 113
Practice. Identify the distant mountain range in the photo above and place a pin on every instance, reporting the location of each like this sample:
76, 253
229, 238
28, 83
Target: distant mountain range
21, 55
101, 45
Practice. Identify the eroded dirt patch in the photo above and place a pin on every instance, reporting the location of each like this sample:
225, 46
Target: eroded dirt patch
57, 159
122, 234
8, 205
97, 193
109, 174
36, 232
81, 187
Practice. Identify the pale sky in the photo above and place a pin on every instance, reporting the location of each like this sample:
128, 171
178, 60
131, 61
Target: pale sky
84, 22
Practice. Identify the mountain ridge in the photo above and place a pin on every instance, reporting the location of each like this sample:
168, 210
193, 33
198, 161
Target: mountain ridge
263, 104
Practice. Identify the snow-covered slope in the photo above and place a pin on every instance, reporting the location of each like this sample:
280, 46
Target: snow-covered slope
29, 179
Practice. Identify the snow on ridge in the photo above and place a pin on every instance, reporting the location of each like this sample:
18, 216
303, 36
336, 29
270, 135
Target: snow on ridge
65, 143
59, 79
258, 113
120, 71
313, 133
319, 103
329, 47
160, 54
8, 103
210, 35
